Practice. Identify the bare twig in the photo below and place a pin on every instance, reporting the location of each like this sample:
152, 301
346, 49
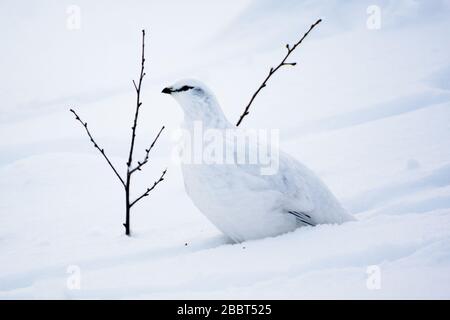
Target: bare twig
273, 70
127, 182
138, 103
147, 152
102, 151
133, 137
130, 171
146, 193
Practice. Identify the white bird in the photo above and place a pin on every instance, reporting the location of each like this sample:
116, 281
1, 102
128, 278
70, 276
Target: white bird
238, 199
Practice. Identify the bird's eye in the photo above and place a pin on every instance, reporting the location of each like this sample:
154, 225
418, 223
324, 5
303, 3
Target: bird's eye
185, 88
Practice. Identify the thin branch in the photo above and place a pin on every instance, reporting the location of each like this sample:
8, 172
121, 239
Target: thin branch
147, 152
138, 103
102, 151
273, 70
146, 193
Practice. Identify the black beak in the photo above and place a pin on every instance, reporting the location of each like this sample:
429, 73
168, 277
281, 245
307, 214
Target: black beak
167, 90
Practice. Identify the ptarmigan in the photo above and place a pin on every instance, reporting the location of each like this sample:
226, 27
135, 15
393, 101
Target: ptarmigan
240, 201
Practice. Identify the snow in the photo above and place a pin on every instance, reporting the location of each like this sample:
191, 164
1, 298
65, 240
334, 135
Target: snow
371, 119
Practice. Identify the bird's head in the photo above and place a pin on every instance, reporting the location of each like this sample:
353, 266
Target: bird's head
187, 89
197, 102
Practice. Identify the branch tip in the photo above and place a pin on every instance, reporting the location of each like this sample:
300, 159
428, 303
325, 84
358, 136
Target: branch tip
102, 151
146, 193
273, 70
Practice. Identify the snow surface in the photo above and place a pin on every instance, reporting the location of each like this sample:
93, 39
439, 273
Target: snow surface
371, 118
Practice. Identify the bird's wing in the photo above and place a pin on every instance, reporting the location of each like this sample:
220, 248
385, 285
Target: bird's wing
294, 181
287, 177
291, 180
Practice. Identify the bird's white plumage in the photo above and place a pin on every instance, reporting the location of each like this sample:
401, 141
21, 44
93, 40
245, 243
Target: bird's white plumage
236, 198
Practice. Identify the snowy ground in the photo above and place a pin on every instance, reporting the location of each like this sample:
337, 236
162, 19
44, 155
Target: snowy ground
367, 110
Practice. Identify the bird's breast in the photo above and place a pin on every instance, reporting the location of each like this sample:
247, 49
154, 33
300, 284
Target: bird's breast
223, 195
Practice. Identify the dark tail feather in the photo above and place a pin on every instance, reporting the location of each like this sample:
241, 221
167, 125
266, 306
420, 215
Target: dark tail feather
303, 218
